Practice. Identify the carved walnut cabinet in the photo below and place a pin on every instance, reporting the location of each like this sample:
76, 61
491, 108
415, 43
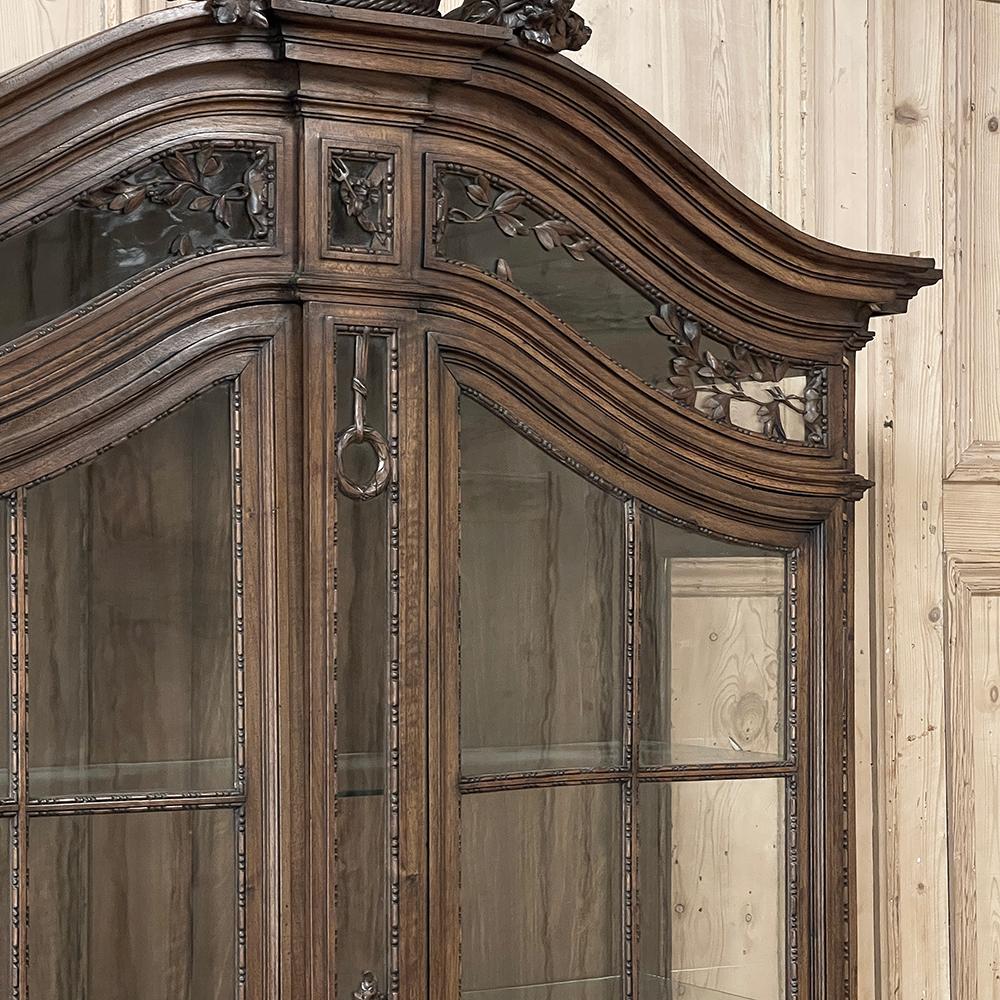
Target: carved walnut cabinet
427, 490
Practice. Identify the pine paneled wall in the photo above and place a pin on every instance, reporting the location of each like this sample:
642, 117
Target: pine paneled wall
873, 123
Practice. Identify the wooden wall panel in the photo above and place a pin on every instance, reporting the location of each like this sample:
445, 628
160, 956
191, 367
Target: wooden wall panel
974, 719
32, 28
974, 218
702, 67
908, 180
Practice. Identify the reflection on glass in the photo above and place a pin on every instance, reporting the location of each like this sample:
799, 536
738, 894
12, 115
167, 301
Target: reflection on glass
133, 907
130, 558
194, 199
712, 650
541, 894
5, 886
362, 659
489, 224
541, 601
712, 890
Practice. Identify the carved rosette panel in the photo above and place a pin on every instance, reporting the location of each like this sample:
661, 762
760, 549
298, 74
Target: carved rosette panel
362, 202
213, 195
692, 362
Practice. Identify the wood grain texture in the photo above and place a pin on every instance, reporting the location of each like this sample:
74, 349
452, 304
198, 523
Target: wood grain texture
973, 219
31, 28
974, 775
700, 66
909, 689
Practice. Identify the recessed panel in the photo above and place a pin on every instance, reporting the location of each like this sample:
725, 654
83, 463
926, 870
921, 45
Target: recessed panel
542, 553
712, 650
133, 907
541, 894
132, 603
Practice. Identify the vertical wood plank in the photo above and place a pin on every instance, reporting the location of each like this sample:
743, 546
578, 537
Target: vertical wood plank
700, 66
907, 188
32, 28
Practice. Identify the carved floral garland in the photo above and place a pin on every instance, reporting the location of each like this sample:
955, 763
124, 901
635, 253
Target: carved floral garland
711, 383
180, 180
704, 377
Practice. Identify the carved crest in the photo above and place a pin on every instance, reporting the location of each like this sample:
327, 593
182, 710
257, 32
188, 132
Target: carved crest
548, 25
251, 12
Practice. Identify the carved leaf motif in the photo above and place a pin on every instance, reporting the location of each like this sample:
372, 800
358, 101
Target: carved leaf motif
711, 382
179, 168
178, 180
504, 273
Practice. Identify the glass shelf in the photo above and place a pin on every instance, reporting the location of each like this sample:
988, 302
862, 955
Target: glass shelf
605, 988
678, 988
479, 761
360, 775
654, 754
129, 777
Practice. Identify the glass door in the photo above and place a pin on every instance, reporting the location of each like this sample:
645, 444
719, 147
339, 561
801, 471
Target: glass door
615, 743
133, 813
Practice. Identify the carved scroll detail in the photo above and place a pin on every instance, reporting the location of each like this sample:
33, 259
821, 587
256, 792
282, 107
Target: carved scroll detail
547, 25
250, 12
183, 180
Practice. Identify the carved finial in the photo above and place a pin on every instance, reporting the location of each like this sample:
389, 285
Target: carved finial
250, 12
549, 25
368, 990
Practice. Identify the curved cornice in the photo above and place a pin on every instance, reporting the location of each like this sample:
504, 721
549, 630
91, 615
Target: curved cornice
639, 154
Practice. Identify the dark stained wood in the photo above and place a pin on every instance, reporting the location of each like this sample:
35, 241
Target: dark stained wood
326, 87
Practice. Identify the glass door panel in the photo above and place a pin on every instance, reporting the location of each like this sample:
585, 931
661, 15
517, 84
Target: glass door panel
133, 907
132, 771
542, 585
712, 650
541, 894
712, 889
131, 568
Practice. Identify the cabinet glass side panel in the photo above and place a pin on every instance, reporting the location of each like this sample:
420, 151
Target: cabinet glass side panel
541, 894
712, 650
712, 890
133, 906
363, 655
130, 562
197, 198
542, 553
497, 228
